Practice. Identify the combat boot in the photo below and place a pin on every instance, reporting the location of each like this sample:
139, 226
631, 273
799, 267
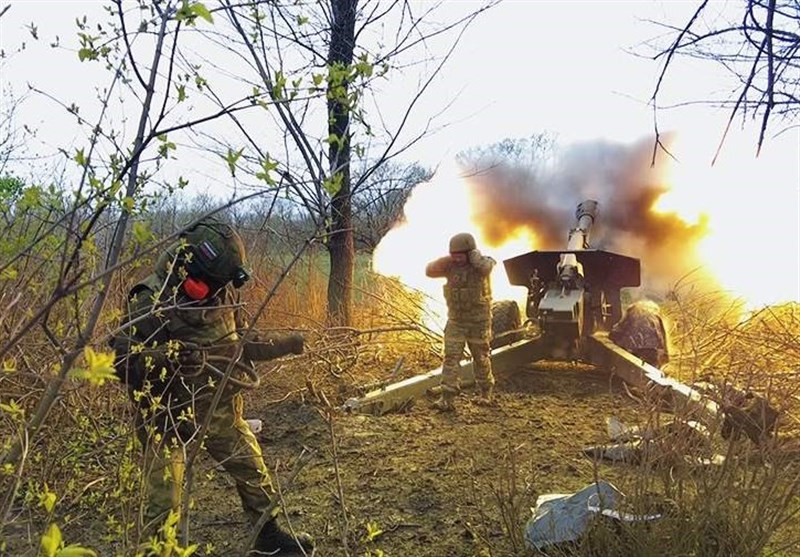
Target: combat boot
272, 540
445, 403
485, 395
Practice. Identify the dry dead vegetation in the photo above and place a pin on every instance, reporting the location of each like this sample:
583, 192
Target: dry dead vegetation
421, 483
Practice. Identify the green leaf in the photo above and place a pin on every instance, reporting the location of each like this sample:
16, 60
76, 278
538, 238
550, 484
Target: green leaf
51, 541
301, 20
141, 232
359, 150
115, 187
10, 187
200, 10
279, 85
128, 204
181, 93
231, 158
318, 78
183, 13
333, 184
12, 408
9, 273
267, 166
76, 551
80, 158
99, 367
166, 146
47, 500
363, 67
9, 365
335, 140
373, 531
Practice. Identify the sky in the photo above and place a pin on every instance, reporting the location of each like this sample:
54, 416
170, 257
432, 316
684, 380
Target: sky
580, 69
577, 69
523, 67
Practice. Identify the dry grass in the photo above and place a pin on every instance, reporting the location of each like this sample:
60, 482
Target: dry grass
747, 506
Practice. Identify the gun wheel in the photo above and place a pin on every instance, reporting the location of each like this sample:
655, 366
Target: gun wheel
506, 323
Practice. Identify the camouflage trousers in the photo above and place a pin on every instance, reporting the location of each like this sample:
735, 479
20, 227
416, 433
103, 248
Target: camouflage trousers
165, 435
474, 335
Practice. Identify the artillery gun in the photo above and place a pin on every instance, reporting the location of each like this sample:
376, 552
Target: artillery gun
574, 298
573, 293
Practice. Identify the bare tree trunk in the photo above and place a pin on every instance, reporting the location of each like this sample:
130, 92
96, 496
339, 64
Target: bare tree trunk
340, 246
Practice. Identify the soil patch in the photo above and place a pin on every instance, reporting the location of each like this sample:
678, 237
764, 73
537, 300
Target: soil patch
426, 483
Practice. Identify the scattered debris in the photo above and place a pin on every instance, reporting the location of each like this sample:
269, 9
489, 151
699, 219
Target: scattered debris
255, 425
686, 440
563, 518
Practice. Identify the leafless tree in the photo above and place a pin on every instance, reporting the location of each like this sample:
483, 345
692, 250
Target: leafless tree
63, 244
760, 50
529, 153
319, 63
379, 206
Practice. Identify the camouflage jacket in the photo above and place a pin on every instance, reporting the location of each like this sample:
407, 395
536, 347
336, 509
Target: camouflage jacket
159, 320
468, 291
163, 323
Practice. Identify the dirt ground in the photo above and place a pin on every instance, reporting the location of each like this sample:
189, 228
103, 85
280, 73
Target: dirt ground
413, 484
423, 483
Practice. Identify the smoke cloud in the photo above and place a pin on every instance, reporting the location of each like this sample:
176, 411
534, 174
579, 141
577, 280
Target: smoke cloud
621, 178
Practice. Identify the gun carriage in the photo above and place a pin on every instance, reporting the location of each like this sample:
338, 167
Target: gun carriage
574, 298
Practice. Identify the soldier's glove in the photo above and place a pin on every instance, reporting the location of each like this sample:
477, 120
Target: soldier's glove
273, 347
191, 361
296, 343
480, 261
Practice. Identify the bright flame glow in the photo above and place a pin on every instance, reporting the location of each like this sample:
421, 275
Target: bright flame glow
434, 212
737, 222
753, 242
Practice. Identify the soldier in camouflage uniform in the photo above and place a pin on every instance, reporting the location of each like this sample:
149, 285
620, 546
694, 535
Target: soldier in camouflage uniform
178, 318
641, 332
468, 295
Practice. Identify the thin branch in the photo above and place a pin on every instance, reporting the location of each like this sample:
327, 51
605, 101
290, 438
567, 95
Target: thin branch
770, 75
672, 50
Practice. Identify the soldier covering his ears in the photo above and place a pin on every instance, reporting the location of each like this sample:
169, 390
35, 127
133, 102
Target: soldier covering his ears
178, 320
468, 295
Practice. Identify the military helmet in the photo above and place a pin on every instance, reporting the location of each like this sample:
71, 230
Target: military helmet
462, 242
217, 253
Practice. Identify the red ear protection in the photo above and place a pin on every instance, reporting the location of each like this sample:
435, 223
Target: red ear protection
196, 289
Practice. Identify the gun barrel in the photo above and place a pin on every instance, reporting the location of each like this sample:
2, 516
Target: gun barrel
584, 215
578, 240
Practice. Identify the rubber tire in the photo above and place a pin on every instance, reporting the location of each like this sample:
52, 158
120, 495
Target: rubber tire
506, 323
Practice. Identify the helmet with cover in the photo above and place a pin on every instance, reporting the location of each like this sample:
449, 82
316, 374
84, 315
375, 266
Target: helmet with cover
462, 243
216, 254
